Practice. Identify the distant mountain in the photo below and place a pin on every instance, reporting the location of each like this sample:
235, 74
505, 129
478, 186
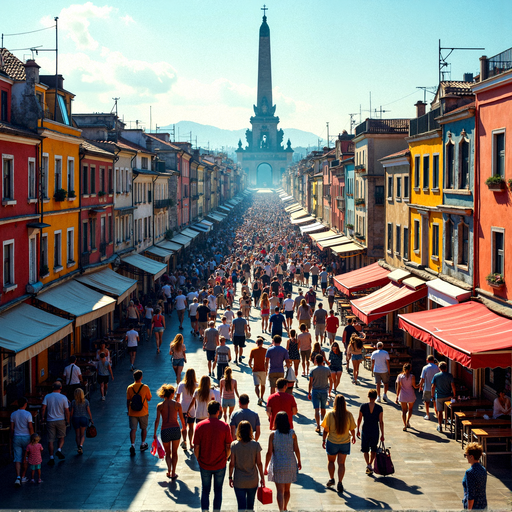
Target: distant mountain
219, 138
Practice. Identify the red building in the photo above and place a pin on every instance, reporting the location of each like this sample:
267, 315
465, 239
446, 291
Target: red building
19, 217
97, 204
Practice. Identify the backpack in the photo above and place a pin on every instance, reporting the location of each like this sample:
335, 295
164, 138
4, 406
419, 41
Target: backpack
137, 401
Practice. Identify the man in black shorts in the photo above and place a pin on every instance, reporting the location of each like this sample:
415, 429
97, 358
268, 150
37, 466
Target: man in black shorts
239, 329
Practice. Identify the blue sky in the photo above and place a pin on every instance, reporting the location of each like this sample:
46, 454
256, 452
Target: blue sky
197, 60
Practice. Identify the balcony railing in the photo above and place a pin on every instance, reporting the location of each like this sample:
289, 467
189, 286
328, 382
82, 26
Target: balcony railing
340, 202
499, 63
425, 123
383, 126
103, 249
84, 259
163, 203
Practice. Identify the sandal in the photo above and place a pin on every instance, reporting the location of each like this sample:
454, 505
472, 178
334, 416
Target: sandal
405, 429
174, 477
331, 482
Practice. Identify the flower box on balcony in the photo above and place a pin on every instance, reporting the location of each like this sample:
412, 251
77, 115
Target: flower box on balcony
60, 194
495, 183
495, 280
360, 202
360, 168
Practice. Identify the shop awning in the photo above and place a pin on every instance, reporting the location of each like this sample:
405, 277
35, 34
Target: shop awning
292, 207
468, 333
200, 228
79, 300
286, 198
231, 203
324, 236
361, 279
181, 239
386, 300
215, 217
155, 268
159, 252
109, 282
446, 294
331, 242
190, 233
207, 223
311, 228
298, 214
303, 220
225, 208
170, 246
346, 248
27, 331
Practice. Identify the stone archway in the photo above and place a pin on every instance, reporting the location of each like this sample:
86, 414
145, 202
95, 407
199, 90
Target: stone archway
264, 175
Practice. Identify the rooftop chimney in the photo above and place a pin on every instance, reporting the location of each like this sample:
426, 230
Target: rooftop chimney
420, 108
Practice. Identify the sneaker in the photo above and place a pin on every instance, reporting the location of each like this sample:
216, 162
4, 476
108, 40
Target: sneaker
60, 455
439, 429
102, 398
260, 401
132, 450
39, 481
184, 445
51, 463
340, 487
331, 482
426, 417
24, 480
385, 398
144, 447
32, 481
378, 399
369, 469
80, 450
17, 482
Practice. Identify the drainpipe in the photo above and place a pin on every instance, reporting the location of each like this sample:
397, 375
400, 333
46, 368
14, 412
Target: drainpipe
476, 205
133, 179
153, 203
41, 204
81, 156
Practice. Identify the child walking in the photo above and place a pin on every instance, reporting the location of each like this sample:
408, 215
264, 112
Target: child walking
33, 454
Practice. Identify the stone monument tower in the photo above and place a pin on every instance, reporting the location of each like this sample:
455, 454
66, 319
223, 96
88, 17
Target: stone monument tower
264, 158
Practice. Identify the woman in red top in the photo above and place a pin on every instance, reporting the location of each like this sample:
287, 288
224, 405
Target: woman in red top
265, 311
158, 327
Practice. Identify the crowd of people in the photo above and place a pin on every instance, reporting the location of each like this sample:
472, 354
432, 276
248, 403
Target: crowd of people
245, 273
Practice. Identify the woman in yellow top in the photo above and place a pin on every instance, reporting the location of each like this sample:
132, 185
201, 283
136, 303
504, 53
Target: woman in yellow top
338, 426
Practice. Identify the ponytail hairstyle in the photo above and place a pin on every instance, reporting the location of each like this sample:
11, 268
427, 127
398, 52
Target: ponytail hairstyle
228, 379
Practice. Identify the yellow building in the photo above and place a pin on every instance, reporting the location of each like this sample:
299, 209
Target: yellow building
426, 220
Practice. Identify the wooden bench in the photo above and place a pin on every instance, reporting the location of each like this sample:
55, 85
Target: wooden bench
470, 424
483, 435
467, 415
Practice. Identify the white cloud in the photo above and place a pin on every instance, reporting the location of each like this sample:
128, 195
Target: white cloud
127, 20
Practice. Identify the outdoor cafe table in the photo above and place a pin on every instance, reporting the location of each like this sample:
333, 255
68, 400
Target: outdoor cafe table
482, 435
462, 405
468, 415
470, 424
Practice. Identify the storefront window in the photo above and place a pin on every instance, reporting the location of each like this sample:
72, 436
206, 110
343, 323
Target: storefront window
498, 379
91, 331
58, 355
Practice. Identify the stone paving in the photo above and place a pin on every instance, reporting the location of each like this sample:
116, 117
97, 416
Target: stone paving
429, 466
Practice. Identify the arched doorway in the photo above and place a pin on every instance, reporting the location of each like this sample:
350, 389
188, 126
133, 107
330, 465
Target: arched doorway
264, 176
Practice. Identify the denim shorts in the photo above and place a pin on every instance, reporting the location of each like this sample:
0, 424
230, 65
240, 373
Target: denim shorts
319, 398
158, 329
228, 402
81, 421
334, 449
19, 443
357, 357
178, 361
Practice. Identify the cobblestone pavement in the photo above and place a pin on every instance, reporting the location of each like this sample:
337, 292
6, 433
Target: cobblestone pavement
429, 466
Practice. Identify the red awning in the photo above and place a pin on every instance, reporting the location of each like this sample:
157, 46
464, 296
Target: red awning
386, 300
361, 279
468, 333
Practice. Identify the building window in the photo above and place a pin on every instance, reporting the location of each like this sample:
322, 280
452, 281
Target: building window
71, 174
58, 173
93, 179
70, 250
44, 251
7, 177
398, 241
379, 194
101, 184
8, 263
416, 235
448, 240
103, 230
85, 237
110, 180
417, 161
435, 240
406, 187
92, 226
398, 187
450, 165
463, 244
498, 251
144, 162
3, 107
32, 182
498, 151
426, 171
57, 250
390, 187
406, 243
109, 226
32, 260
85, 179
44, 178
464, 164
435, 171
390, 237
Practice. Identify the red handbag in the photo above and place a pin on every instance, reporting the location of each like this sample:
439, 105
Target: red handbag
264, 495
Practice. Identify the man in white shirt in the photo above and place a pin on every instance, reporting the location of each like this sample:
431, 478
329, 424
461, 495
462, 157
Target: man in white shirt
192, 313
181, 306
289, 306
191, 294
225, 329
132, 339
166, 296
72, 377
212, 304
56, 408
229, 315
21, 429
427, 374
381, 370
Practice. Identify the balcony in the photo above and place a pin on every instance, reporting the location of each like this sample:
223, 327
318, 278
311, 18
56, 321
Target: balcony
425, 123
334, 163
84, 259
103, 249
360, 168
163, 203
498, 64
360, 202
383, 126
340, 202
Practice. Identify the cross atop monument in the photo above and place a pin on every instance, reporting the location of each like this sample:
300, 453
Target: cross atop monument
264, 9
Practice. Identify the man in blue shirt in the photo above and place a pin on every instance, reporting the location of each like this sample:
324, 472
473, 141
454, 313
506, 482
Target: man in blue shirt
277, 320
443, 389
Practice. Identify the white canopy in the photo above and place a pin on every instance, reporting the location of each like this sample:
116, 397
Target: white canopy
159, 252
155, 268
109, 282
170, 246
182, 240
190, 233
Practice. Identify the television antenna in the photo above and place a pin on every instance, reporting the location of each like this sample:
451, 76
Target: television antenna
443, 59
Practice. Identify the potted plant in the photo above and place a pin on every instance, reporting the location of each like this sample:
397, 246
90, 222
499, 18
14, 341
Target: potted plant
60, 194
495, 280
71, 194
359, 201
169, 234
101, 193
350, 227
495, 182
510, 183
